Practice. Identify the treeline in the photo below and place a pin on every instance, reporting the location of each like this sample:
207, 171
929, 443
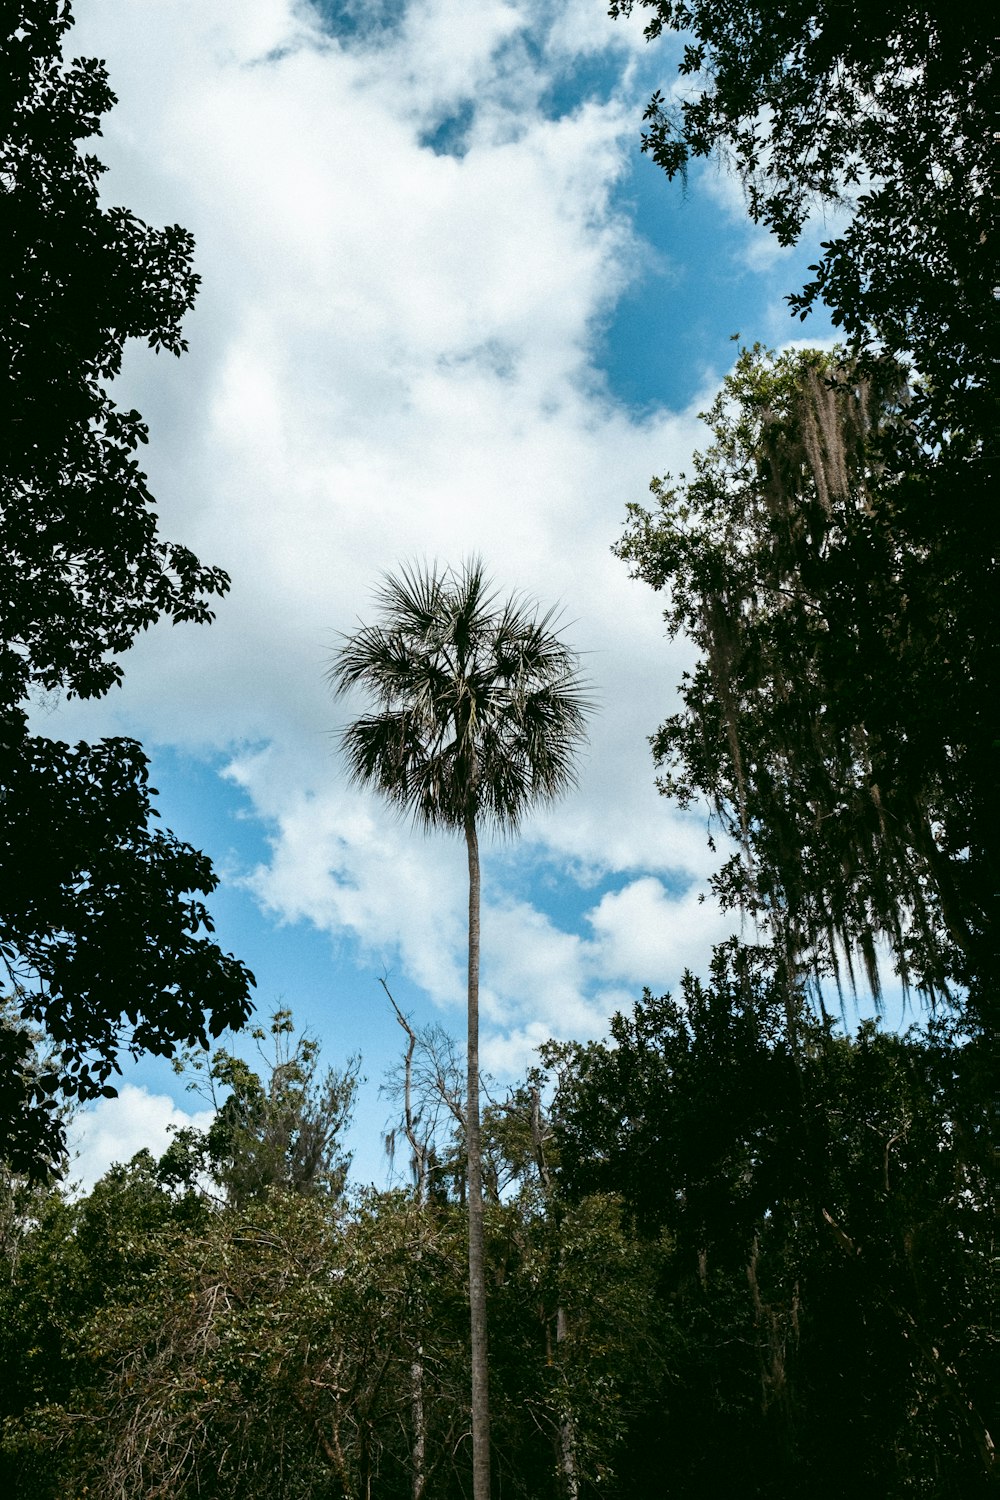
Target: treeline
732, 1250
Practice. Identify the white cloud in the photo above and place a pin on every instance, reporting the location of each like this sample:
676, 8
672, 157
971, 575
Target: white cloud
580, 28
113, 1130
341, 864
646, 935
391, 359
447, 48
535, 971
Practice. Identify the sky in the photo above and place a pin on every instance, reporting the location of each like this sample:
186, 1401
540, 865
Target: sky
447, 307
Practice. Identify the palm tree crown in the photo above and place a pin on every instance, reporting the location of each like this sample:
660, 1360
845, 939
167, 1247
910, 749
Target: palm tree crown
479, 706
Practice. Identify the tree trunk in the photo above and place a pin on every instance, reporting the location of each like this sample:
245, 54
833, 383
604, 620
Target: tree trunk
477, 1271
567, 1435
418, 1162
418, 1455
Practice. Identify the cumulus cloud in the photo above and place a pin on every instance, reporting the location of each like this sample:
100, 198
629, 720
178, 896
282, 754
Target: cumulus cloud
113, 1130
645, 934
339, 863
407, 257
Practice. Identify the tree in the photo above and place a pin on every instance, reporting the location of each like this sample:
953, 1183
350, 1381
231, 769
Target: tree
74, 1260
887, 114
831, 721
827, 1209
479, 709
884, 112
429, 1088
102, 942
280, 1128
33, 1135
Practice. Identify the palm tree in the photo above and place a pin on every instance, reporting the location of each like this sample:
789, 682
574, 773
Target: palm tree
478, 712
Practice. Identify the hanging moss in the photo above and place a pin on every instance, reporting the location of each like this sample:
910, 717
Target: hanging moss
782, 558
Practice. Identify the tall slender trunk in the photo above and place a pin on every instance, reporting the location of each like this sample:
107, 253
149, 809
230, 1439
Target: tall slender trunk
419, 1155
418, 1455
567, 1427
567, 1434
477, 1270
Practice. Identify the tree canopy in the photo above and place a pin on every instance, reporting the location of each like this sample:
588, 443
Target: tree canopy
479, 706
887, 114
826, 1204
833, 720
103, 932
738, 1247
884, 117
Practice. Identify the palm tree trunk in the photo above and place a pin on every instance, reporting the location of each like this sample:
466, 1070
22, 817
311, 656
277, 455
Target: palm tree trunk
477, 1271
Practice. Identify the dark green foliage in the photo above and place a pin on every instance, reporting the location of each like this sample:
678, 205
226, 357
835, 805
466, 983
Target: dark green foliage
97, 925
256, 1352
711, 1076
101, 940
577, 1342
34, 1131
82, 568
831, 1204
135, 1321
752, 1254
835, 721
68, 1265
886, 111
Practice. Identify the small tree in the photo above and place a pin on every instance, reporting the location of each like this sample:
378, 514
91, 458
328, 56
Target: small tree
277, 1127
479, 710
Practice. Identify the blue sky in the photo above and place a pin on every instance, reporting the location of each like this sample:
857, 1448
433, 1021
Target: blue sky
447, 307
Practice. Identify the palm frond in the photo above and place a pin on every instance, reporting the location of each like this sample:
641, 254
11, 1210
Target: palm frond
480, 708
